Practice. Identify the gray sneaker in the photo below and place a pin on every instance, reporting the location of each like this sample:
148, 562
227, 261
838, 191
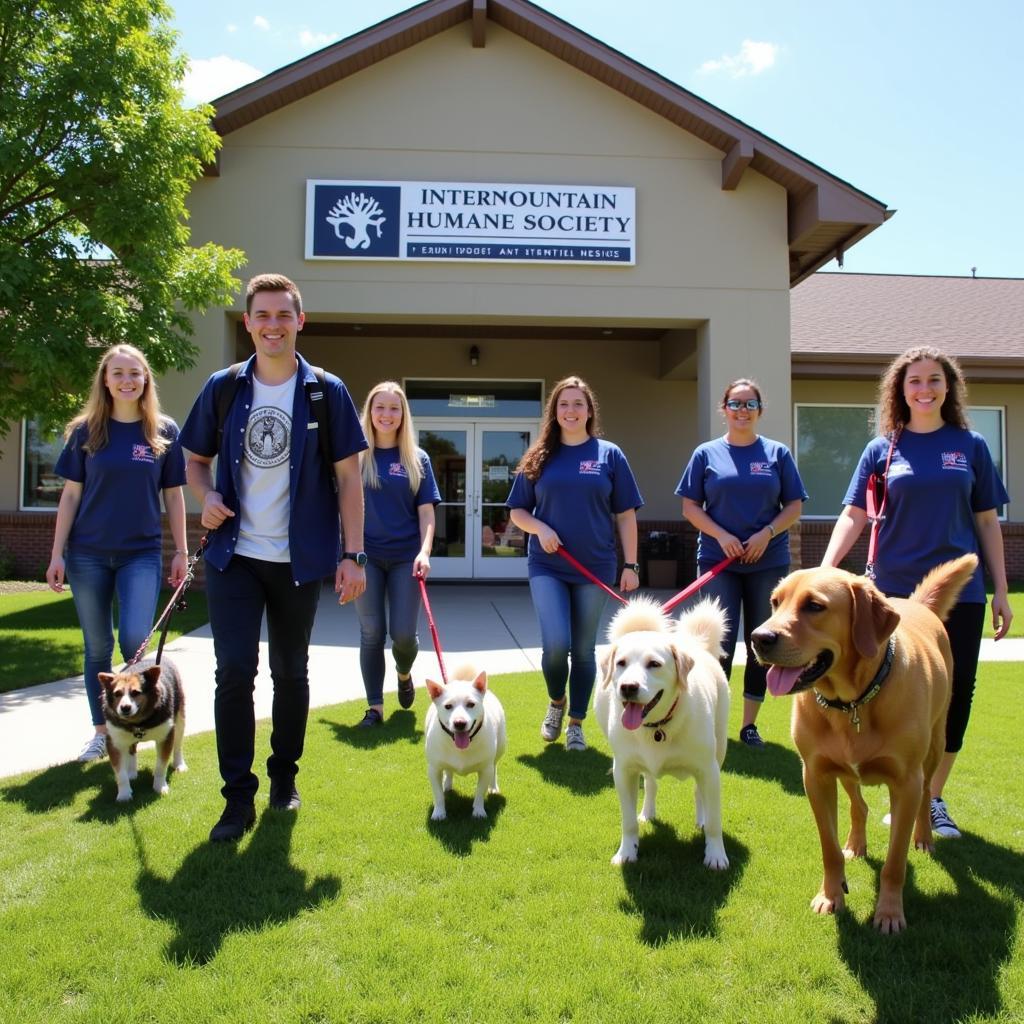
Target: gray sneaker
574, 737
94, 749
942, 823
551, 727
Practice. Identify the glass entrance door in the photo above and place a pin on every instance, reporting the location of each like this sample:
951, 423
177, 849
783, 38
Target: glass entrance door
474, 462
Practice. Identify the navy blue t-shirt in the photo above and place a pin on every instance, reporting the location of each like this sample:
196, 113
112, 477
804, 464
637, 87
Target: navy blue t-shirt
392, 529
937, 482
742, 488
579, 490
121, 483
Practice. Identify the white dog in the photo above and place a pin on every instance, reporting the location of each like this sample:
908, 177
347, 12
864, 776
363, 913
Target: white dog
663, 703
465, 732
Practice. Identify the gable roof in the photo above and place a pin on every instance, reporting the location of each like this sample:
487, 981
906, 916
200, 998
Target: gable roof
853, 324
826, 215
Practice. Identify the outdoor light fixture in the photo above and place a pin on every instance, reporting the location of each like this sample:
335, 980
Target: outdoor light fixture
474, 355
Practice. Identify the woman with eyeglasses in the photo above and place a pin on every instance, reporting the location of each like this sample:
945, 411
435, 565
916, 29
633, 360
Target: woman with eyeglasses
743, 492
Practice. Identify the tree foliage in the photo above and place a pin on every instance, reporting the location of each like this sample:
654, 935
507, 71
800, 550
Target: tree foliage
97, 156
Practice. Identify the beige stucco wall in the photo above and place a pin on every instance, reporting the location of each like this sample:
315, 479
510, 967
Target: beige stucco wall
444, 111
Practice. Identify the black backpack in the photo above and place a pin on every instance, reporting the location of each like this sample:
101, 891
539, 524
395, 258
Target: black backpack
316, 394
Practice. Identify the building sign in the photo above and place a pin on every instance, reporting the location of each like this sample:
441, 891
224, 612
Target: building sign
460, 221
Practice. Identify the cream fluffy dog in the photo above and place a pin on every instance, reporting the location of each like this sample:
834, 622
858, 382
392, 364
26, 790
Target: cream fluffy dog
663, 703
465, 733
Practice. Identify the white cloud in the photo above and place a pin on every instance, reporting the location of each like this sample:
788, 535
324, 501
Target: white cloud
260, 22
232, 27
315, 40
752, 59
205, 80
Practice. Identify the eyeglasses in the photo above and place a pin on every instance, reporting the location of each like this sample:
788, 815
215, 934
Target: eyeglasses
735, 404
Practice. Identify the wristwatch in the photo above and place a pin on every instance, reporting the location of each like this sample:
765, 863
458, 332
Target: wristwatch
635, 566
359, 557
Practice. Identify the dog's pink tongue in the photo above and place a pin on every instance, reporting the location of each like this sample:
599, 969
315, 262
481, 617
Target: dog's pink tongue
782, 680
462, 740
633, 715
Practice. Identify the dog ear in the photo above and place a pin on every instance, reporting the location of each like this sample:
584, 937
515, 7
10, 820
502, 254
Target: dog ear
434, 689
684, 663
874, 619
480, 683
151, 675
606, 663
106, 678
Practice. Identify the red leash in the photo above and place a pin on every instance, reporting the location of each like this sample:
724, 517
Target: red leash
433, 628
698, 583
672, 602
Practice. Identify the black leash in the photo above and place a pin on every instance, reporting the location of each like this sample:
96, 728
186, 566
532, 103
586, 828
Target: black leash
176, 602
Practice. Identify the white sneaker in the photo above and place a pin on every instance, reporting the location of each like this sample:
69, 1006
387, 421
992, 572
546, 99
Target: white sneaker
942, 824
94, 749
551, 727
574, 737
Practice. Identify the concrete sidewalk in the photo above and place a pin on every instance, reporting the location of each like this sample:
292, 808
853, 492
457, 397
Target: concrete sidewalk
492, 624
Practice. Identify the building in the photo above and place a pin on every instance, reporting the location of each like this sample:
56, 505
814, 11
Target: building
478, 199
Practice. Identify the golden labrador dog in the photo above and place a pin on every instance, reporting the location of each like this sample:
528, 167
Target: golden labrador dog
663, 703
880, 671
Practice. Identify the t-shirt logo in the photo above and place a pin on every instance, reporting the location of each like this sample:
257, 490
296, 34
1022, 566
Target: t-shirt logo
954, 460
397, 469
760, 469
590, 467
267, 437
142, 453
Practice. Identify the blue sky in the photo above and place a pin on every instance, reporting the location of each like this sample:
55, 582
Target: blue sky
919, 105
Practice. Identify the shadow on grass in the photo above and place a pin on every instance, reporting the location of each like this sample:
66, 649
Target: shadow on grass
460, 831
400, 727
956, 944
60, 785
583, 772
671, 889
770, 762
221, 888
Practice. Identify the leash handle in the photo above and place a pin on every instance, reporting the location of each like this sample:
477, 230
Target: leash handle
584, 571
699, 582
421, 579
875, 509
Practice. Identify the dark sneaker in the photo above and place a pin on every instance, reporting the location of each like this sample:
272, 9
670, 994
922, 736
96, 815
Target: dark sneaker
942, 824
750, 736
284, 796
372, 718
236, 820
406, 693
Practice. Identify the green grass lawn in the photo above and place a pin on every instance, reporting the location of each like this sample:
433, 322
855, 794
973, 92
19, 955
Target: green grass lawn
359, 909
40, 639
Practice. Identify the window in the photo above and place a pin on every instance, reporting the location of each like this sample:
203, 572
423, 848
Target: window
40, 486
829, 440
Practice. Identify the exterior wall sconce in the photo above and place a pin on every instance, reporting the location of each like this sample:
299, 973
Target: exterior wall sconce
474, 355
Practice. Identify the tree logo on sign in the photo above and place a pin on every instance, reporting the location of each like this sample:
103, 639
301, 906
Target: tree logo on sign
358, 212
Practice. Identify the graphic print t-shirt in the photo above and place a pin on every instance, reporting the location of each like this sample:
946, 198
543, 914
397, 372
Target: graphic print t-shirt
265, 477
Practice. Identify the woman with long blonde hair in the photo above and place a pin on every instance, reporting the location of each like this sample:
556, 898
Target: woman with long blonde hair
399, 494
574, 488
942, 498
120, 455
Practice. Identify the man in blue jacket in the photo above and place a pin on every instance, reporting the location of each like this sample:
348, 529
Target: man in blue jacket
273, 513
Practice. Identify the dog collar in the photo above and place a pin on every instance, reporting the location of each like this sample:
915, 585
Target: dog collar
472, 732
850, 707
659, 733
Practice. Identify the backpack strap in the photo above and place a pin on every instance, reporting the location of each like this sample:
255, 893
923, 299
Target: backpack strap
316, 395
224, 396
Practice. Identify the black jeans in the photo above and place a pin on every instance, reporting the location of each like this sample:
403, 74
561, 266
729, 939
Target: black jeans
237, 598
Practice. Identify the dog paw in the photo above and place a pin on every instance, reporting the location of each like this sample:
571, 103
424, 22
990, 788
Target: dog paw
479, 812
925, 846
180, 767
626, 855
133, 774
161, 789
855, 852
124, 796
715, 858
438, 814
822, 904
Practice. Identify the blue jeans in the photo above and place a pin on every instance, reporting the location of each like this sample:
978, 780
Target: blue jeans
750, 591
569, 614
237, 598
95, 579
391, 592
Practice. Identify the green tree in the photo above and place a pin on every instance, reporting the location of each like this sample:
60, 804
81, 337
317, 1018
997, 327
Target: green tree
97, 155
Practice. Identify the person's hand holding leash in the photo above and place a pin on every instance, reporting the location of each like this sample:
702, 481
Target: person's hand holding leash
421, 566
179, 567
730, 545
548, 539
755, 546
629, 580
214, 511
